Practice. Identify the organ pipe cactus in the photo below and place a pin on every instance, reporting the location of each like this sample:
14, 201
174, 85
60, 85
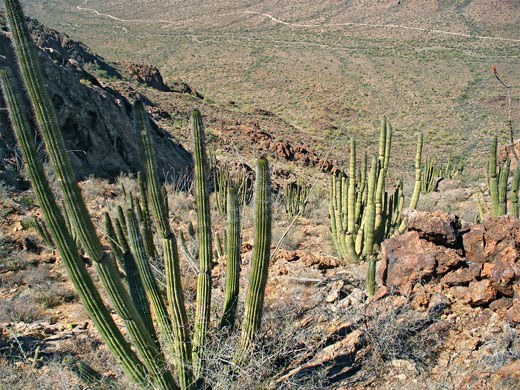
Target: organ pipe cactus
61, 236
233, 261
348, 207
202, 315
261, 254
131, 242
497, 180
295, 197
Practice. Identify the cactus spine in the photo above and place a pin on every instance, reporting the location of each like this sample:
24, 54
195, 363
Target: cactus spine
261, 254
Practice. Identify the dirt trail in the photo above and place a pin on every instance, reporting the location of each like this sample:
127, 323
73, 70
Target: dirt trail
304, 25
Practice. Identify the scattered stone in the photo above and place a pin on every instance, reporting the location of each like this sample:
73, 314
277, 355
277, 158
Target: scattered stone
481, 293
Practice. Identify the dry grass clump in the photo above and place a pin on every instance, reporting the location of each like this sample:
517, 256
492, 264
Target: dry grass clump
399, 333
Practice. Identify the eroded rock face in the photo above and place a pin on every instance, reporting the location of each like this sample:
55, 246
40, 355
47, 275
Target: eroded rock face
96, 121
148, 75
479, 266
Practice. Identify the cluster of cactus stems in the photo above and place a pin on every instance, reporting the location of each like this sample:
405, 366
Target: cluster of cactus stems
223, 179
295, 196
433, 172
362, 212
497, 176
136, 298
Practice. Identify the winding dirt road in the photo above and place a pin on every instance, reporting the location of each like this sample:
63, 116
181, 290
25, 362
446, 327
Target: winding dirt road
302, 25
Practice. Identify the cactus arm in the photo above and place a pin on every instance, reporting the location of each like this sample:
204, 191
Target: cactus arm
261, 254
417, 187
493, 177
75, 267
502, 187
233, 261
203, 308
371, 213
351, 214
514, 191
180, 337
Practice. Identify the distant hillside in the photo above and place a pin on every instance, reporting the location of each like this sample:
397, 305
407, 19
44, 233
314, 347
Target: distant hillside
328, 69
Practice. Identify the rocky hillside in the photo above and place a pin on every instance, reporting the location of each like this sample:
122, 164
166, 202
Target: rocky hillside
96, 120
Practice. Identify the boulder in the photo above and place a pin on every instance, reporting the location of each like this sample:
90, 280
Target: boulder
440, 228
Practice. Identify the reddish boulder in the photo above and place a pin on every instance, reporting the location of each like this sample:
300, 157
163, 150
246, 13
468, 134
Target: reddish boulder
462, 276
481, 293
440, 228
148, 75
407, 260
495, 240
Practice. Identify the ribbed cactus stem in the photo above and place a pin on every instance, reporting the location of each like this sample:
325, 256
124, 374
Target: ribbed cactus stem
233, 261
351, 213
502, 187
180, 337
135, 285
371, 210
146, 221
514, 191
493, 177
62, 238
371, 276
261, 254
48, 124
417, 187
203, 309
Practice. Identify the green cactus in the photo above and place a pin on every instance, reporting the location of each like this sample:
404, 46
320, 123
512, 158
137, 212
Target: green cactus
131, 243
179, 338
233, 262
261, 254
295, 198
57, 227
202, 315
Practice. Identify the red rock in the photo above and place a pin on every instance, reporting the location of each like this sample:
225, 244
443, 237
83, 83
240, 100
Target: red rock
462, 276
513, 313
501, 305
440, 228
496, 240
407, 259
481, 293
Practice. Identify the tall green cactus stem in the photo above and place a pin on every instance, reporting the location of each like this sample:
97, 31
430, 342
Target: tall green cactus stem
83, 226
351, 206
61, 236
502, 187
370, 227
203, 309
175, 294
233, 262
261, 254
135, 284
368, 247
384, 155
417, 187
48, 124
146, 221
493, 177
514, 191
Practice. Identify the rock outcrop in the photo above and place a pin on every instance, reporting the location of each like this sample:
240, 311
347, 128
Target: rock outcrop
479, 266
96, 121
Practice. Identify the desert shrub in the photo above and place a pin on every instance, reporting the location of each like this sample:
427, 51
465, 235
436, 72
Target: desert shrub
21, 307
